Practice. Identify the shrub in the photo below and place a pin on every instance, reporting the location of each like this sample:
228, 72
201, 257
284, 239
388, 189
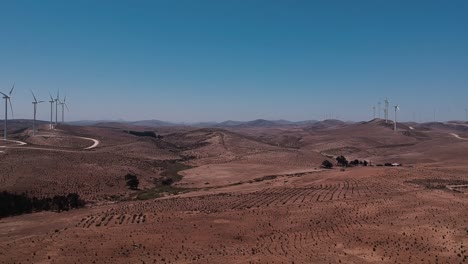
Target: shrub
342, 161
327, 164
167, 181
132, 181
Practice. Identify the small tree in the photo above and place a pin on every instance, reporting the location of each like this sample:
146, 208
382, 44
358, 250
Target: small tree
342, 161
327, 164
132, 181
167, 181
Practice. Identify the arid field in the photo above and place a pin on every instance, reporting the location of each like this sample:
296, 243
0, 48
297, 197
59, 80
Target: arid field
240, 194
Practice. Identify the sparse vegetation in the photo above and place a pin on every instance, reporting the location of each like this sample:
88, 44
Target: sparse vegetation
160, 191
167, 181
145, 134
132, 181
327, 164
342, 161
437, 183
357, 162
17, 204
266, 178
164, 186
171, 171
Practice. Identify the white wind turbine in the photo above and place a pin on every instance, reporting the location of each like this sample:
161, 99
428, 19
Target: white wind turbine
51, 110
7, 100
378, 104
56, 107
386, 109
35, 102
64, 104
395, 123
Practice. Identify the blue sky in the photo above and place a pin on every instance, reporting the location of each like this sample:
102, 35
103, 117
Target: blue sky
191, 61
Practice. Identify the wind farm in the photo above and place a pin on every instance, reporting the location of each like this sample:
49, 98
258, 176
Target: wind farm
35, 103
234, 132
233, 179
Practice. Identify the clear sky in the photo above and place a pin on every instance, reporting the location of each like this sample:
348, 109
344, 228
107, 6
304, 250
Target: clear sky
216, 60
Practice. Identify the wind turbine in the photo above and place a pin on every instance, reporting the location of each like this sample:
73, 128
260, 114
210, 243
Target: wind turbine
466, 114
56, 107
373, 108
379, 103
385, 114
64, 104
35, 102
7, 100
395, 123
386, 109
51, 110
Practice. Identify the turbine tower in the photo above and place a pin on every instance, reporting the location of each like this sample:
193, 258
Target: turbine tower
386, 109
395, 123
378, 104
64, 104
35, 102
7, 100
385, 114
56, 107
51, 110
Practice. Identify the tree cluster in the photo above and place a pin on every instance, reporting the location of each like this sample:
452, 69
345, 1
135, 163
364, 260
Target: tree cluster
145, 134
342, 161
17, 204
327, 164
132, 181
359, 162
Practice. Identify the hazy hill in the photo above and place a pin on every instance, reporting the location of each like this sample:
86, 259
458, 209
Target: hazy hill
228, 123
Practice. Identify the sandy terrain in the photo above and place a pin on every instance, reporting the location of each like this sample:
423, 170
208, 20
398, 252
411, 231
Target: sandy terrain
251, 195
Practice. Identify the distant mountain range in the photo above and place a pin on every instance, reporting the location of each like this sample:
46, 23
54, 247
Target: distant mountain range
461, 126
228, 123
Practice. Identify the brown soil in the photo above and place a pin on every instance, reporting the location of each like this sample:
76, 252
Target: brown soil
253, 195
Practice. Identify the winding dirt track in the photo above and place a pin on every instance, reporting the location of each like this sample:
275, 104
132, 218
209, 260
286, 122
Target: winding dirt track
21, 143
457, 136
96, 142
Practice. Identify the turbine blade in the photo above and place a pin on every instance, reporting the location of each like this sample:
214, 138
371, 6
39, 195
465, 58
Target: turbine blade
67, 107
40, 102
51, 98
4, 94
13, 87
11, 107
35, 100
